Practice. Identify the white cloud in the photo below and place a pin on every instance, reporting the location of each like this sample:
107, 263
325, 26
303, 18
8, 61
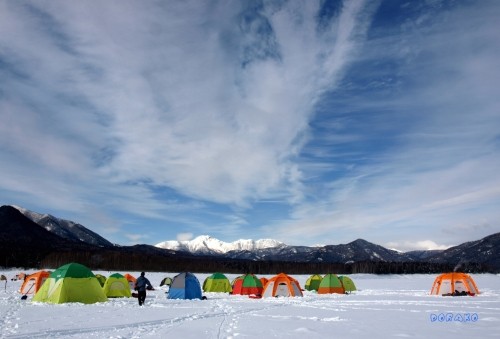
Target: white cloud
136, 238
205, 126
184, 236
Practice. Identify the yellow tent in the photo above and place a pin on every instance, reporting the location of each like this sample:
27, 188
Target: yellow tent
117, 286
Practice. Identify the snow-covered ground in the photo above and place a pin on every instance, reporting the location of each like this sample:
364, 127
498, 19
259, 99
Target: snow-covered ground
384, 306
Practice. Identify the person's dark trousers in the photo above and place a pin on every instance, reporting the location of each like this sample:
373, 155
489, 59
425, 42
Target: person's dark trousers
141, 295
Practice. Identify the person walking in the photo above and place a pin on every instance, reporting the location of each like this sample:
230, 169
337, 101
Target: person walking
142, 283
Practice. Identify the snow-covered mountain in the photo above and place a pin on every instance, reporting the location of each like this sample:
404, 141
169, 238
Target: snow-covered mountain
66, 229
205, 245
268, 249
484, 251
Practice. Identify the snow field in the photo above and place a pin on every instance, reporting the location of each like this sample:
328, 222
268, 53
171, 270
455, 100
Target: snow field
384, 306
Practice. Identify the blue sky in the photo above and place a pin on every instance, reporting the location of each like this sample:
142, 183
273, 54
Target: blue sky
302, 121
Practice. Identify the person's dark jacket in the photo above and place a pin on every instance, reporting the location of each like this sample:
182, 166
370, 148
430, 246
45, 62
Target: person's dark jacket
142, 283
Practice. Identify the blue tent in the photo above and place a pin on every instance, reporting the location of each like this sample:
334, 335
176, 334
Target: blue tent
185, 286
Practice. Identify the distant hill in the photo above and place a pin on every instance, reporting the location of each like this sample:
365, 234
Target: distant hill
24, 241
485, 251
65, 228
423, 254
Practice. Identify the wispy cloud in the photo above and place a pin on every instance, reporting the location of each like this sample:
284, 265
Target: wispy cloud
167, 101
436, 155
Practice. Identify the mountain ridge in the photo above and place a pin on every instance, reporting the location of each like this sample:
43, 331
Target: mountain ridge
66, 229
206, 244
359, 250
268, 249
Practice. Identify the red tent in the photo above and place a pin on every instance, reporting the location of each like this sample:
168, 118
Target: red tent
247, 284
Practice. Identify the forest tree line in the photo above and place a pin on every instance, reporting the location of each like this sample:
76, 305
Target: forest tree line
110, 260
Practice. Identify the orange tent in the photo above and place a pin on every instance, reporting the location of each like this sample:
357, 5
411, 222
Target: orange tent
282, 285
131, 280
33, 282
264, 281
454, 284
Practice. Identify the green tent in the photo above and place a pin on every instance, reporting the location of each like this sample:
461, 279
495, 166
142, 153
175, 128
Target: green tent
101, 279
116, 286
312, 283
71, 283
217, 282
347, 283
330, 284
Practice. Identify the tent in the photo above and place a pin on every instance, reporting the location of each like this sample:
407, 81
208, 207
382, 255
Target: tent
101, 279
116, 286
454, 284
263, 281
217, 282
247, 284
347, 283
185, 286
33, 282
330, 284
71, 283
167, 281
312, 283
236, 279
282, 285
131, 280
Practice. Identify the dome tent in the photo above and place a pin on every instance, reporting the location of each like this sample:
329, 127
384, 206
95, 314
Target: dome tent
185, 286
330, 284
217, 282
347, 283
116, 286
71, 283
247, 284
282, 285
33, 282
131, 280
454, 284
167, 281
101, 278
312, 283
